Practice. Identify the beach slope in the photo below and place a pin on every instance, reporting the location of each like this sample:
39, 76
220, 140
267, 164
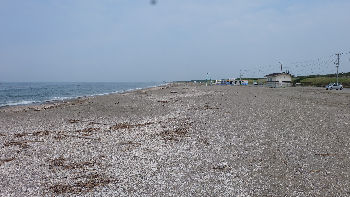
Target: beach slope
180, 140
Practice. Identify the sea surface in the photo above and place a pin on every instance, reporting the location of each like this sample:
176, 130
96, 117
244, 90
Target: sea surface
23, 93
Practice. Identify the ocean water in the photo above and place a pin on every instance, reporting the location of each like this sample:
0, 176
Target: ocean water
29, 93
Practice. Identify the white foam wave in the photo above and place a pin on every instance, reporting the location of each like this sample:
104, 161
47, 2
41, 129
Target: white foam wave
28, 102
13, 103
59, 98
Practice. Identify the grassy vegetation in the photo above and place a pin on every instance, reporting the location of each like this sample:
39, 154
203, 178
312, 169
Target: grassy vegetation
258, 80
323, 80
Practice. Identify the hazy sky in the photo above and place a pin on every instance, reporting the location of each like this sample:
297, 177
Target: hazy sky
132, 40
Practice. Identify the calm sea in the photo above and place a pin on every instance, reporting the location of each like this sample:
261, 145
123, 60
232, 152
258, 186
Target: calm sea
29, 93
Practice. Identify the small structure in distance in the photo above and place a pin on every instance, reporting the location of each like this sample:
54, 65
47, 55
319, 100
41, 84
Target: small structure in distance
275, 80
231, 81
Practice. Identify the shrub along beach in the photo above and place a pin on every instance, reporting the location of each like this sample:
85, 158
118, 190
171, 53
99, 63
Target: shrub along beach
180, 139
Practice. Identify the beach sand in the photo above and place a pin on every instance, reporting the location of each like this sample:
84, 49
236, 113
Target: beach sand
180, 140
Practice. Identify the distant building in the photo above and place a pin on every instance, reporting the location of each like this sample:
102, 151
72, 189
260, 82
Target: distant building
275, 80
241, 82
231, 81
225, 81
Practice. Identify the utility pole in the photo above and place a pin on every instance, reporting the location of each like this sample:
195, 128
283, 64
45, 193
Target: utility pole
337, 64
240, 77
206, 83
281, 66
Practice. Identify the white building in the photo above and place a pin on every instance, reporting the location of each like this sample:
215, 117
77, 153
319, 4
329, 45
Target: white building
275, 80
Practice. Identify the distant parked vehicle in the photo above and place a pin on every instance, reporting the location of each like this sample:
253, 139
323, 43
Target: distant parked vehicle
336, 86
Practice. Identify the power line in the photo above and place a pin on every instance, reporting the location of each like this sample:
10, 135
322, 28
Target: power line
319, 65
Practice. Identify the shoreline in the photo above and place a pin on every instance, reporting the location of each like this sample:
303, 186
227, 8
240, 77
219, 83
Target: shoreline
49, 103
181, 139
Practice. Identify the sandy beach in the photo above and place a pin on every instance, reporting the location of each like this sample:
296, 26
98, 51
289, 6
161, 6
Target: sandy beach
180, 140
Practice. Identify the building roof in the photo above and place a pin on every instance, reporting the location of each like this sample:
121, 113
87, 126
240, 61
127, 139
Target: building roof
276, 74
